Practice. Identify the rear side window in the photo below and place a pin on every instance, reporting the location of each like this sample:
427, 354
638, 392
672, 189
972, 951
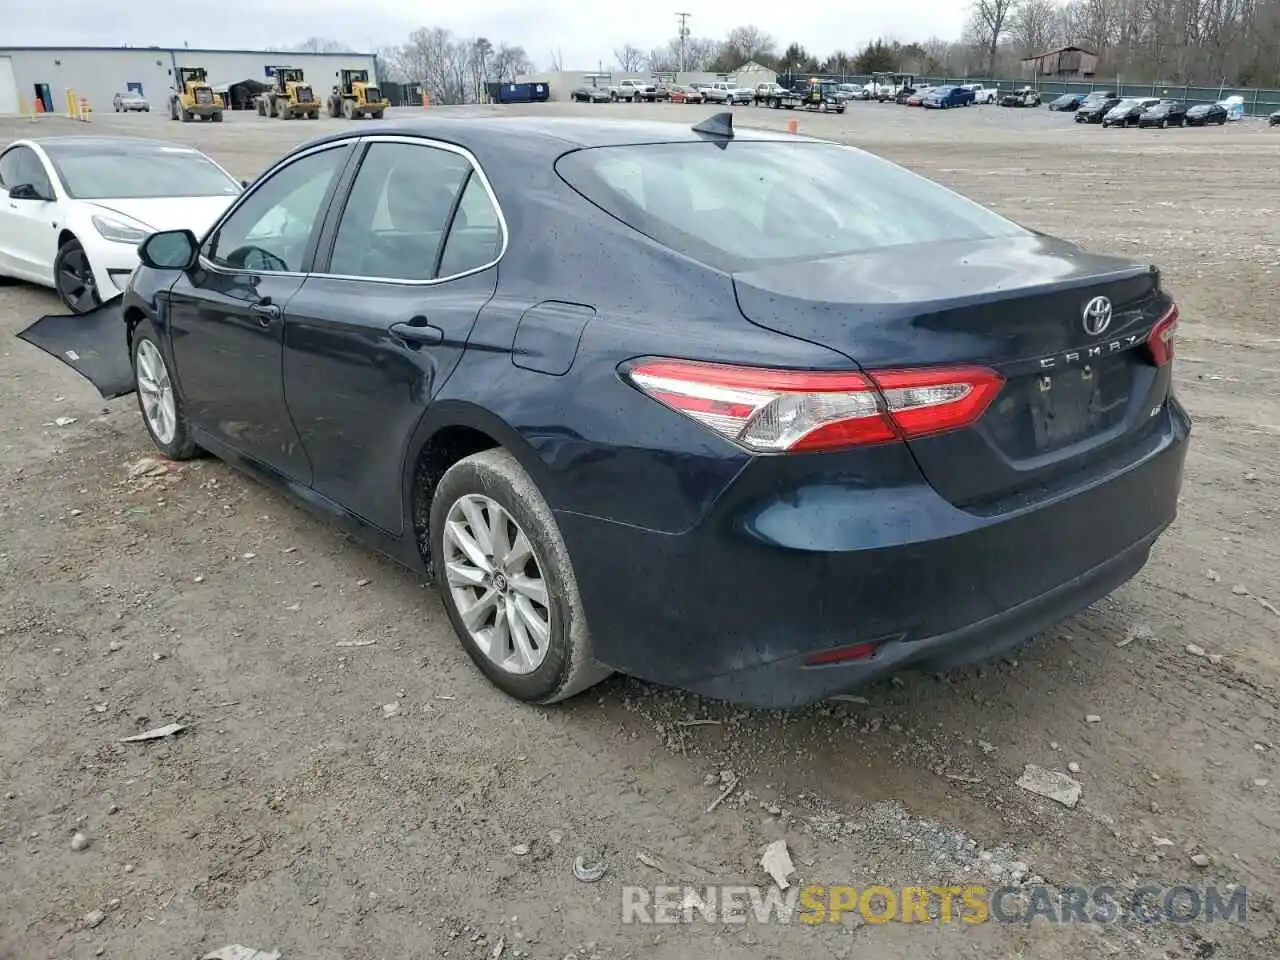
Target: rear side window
751, 203
395, 219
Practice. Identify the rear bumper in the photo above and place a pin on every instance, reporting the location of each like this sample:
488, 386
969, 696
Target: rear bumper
733, 607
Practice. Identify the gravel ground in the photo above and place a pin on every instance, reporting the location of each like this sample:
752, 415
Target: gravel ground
295, 814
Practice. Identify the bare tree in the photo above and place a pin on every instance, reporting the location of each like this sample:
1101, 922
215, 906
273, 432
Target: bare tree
699, 53
321, 45
987, 22
509, 62
747, 43
1034, 27
481, 51
557, 61
630, 59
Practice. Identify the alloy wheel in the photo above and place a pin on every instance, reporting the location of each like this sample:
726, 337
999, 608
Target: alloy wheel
156, 392
75, 282
497, 584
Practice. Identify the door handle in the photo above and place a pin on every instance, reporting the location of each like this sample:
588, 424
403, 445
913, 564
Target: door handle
265, 312
417, 330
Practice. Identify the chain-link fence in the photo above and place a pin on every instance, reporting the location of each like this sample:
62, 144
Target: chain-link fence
1257, 102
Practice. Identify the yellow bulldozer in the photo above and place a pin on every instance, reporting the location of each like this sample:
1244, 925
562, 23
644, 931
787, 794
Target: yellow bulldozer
193, 97
355, 96
291, 97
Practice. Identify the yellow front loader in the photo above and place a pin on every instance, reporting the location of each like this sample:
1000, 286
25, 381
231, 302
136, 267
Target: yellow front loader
291, 97
193, 97
355, 97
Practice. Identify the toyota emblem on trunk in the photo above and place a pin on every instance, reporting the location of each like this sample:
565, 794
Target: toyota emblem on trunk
1097, 316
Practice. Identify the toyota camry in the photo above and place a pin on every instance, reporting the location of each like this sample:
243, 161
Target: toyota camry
672, 401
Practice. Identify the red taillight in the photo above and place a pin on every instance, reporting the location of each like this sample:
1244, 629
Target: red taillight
1160, 342
856, 651
783, 411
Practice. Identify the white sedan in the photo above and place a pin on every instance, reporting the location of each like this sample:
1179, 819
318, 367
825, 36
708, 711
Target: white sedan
74, 209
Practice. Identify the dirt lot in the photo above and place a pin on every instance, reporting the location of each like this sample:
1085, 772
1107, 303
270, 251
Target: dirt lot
293, 815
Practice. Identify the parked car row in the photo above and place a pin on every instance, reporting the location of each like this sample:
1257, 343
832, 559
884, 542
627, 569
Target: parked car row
1112, 111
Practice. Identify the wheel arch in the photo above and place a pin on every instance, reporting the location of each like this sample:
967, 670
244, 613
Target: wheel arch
450, 431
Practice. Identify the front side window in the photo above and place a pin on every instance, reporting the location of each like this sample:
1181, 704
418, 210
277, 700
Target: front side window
271, 230
751, 203
395, 221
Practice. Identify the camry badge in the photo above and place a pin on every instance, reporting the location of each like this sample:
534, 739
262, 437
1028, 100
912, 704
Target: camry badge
1097, 316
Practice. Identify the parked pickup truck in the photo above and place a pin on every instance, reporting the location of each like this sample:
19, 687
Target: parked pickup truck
722, 91
982, 93
633, 91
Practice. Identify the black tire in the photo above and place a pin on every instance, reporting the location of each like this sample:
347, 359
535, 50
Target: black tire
378, 114
73, 278
568, 667
216, 117
181, 447
173, 109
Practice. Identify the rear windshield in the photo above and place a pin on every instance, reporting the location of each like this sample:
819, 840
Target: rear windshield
750, 203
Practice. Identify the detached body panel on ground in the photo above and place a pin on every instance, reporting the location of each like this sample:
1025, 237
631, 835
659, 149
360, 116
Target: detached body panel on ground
767, 479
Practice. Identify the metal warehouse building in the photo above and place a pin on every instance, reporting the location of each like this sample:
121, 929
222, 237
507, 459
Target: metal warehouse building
28, 74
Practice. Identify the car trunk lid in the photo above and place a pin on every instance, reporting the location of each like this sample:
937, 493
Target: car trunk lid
1015, 306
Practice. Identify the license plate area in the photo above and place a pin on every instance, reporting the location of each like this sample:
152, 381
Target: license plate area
1044, 412
1071, 405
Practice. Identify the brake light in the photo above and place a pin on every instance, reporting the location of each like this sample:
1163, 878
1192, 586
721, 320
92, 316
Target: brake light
1162, 336
785, 411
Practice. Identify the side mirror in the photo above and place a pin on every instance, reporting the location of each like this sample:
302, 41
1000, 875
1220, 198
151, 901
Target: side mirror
169, 250
244, 183
25, 191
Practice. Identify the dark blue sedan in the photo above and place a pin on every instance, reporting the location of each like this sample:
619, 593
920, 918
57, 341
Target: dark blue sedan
641, 398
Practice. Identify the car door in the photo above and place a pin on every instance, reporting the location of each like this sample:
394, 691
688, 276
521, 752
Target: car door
28, 225
405, 266
227, 316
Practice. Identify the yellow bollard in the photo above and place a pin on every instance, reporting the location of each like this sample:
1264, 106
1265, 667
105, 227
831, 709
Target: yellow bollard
85, 110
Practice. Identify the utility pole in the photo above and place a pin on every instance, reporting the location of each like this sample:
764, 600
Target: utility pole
684, 33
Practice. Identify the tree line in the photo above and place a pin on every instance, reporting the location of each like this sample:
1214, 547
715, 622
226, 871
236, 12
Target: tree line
1209, 42
450, 69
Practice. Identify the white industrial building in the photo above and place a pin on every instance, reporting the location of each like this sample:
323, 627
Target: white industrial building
28, 74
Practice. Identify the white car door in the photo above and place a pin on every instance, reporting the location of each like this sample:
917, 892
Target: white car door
28, 225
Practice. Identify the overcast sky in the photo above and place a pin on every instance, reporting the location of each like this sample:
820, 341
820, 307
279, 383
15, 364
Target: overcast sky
584, 31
